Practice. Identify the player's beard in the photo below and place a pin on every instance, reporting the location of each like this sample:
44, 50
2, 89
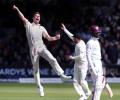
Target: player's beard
96, 35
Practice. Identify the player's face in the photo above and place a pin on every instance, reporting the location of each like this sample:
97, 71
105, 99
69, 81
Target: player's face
36, 18
97, 35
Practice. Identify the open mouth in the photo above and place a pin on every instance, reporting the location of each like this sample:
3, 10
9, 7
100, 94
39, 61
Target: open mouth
37, 19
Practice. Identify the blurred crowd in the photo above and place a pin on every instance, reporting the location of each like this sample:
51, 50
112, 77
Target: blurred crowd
14, 50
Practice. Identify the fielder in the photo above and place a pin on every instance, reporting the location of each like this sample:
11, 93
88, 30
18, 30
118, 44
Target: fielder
35, 32
80, 67
94, 62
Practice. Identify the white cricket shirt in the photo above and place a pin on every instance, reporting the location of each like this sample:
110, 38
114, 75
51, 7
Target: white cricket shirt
34, 35
80, 49
80, 52
93, 51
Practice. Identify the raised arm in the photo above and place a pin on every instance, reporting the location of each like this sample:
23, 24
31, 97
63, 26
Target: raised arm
22, 17
70, 35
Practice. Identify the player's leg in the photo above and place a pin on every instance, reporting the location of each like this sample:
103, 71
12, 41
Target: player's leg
53, 62
36, 72
99, 82
79, 90
77, 86
83, 82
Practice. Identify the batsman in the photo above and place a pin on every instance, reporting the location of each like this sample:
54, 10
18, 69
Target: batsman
95, 63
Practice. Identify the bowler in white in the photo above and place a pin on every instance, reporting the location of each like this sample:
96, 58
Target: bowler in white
35, 32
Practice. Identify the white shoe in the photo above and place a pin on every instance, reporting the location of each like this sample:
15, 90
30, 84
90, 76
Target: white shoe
41, 91
64, 77
83, 98
88, 94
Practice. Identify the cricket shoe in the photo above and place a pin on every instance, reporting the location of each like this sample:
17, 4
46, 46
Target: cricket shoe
88, 94
64, 77
41, 91
83, 98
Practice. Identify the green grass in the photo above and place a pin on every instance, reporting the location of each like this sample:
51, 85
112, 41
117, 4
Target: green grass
13, 91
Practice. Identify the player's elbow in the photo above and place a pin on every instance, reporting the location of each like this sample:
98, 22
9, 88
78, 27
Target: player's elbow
49, 38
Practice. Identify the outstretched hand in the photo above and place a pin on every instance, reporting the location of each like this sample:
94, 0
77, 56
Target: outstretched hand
14, 7
63, 26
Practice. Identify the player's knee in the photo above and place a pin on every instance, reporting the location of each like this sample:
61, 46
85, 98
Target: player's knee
35, 70
75, 83
82, 82
99, 88
100, 81
53, 60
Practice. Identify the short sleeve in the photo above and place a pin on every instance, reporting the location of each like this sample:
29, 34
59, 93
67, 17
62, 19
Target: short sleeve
44, 32
27, 25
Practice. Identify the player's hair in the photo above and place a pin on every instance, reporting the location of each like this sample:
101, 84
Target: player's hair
36, 13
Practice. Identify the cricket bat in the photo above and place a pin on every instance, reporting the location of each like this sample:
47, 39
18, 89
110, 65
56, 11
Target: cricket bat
109, 90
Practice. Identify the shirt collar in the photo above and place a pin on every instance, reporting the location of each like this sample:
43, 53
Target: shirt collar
35, 24
94, 38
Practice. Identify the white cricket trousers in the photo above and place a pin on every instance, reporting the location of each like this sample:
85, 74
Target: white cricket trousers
80, 84
35, 54
98, 80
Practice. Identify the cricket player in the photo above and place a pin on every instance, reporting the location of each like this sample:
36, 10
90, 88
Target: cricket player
80, 67
35, 32
94, 62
